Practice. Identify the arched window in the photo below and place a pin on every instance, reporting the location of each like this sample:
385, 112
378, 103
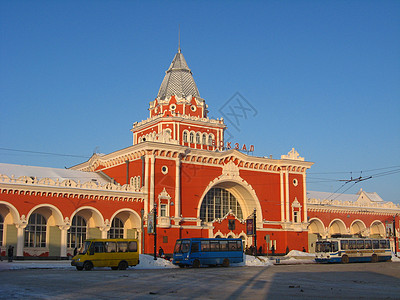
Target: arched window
1, 229
204, 139
197, 138
185, 137
210, 140
77, 232
217, 203
35, 231
191, 138
117, 229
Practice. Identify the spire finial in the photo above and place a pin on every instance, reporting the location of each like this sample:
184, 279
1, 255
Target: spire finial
179, 39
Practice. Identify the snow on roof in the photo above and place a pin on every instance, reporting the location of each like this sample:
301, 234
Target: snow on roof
331, 196
52, 173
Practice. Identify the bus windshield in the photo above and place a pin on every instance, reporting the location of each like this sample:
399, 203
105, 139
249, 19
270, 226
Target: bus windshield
84, 247
326, 246
182, 246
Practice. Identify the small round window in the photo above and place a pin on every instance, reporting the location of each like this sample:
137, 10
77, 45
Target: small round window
164, 170
295, 182
193, 108
172, 107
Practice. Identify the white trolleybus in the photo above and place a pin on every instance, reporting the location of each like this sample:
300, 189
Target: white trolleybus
345, 250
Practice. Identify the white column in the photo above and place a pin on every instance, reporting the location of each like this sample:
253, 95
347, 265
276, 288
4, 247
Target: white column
177, 188
146, 184
152, 168
20, 239
282, 197
287, 195
305, 219
63, 246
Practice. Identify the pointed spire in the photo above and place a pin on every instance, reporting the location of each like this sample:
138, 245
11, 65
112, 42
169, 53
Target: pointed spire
179, 39
178, 80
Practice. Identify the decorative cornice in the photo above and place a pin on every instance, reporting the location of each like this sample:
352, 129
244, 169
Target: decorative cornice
69, 188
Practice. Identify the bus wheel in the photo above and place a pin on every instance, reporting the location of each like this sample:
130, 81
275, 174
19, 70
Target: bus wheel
79, 268
196, 263
225, 263
123, 265
181, 266
345, 259
88, 265
374, 258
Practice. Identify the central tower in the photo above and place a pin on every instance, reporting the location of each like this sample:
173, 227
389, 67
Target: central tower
179, 115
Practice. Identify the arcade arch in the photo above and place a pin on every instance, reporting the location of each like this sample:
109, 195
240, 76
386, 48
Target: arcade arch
358, 228
337, 226
129, 224
377, 229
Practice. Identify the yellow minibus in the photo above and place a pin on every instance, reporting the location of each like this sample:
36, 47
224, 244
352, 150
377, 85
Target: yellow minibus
118, 254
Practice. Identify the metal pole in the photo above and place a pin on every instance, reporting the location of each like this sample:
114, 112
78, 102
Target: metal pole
142, 228
394, 234
255, 232
155, 230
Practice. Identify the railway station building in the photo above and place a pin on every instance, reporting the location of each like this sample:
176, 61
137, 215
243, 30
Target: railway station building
180, 169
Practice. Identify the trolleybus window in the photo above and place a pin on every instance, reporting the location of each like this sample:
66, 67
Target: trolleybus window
360, 244
352, 245
368, 244
375, 244
384, 244
344, 244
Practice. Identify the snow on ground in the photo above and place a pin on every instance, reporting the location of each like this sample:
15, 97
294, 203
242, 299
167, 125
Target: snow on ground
148, 262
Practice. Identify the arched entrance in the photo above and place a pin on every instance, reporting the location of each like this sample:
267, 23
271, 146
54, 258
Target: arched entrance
236, 191
358, 228
337, 227
377, 230
316, 230
129, 225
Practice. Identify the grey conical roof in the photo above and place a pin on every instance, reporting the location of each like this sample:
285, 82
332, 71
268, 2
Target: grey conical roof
178, 80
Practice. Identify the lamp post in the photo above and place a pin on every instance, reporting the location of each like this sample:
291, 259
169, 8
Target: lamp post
155, 230
255, 232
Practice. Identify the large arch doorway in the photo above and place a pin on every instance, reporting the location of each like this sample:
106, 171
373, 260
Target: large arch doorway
316, 230
217, 203
126, 224
377, 230
244, 200
337, 227
358, 228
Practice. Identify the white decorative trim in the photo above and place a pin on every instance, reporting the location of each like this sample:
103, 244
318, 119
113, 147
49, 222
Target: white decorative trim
293, 155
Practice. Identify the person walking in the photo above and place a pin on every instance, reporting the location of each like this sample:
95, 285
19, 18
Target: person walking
10, 253
161, 252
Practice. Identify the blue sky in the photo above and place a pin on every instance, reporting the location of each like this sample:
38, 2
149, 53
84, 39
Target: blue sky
322, 76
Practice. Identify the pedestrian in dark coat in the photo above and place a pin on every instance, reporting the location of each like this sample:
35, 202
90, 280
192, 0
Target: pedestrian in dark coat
10, 253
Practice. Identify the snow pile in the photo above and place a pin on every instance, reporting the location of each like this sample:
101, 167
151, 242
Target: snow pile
395, 258
297, 253
148, 262
254, 261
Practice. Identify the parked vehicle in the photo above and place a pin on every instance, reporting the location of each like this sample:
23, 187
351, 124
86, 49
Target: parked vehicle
118, 254
207, 251
345, 250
